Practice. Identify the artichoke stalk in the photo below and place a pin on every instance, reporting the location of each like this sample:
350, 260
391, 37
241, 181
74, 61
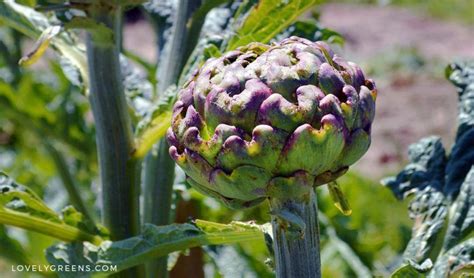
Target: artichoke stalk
273, 122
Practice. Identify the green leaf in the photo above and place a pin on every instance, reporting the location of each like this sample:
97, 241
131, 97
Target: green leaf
152, 243
20, 207
11, 249
32, 23
340, 201
211, 51
311, 30
267, 19
40, 46
407, 271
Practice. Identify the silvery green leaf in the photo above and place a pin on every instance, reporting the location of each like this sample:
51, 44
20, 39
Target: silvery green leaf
138, 89
443, 204
462, 154
461, 223
459, 257
152, 243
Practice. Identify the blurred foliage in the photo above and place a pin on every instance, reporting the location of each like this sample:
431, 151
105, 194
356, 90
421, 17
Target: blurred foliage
455, 10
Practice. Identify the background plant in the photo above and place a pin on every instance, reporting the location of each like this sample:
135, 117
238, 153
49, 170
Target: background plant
442, 185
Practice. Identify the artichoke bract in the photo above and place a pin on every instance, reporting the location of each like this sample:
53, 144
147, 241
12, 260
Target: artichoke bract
271, 121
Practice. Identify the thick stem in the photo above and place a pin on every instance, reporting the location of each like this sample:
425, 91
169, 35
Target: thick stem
120, 206
158, 197
119, 172
159, 169
296, 238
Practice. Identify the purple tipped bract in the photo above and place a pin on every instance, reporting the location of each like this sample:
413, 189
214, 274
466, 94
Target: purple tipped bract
271, 114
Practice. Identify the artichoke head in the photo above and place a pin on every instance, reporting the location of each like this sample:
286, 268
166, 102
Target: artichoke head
271, 121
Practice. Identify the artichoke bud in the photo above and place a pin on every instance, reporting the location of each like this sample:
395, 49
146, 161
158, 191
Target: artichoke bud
271, 121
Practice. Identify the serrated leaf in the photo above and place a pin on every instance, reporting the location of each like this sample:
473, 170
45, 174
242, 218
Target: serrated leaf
20, 207
462, 154
267, 19
152, 243
161, 13
19, 198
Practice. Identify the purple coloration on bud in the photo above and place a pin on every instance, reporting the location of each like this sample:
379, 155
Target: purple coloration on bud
330, 80
271, 121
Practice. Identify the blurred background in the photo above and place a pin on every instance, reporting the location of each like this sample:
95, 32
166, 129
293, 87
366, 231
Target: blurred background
403, 45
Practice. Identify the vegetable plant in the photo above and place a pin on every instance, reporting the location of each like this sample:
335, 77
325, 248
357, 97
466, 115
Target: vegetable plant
442, 186
258, 111
272, 122
130, 151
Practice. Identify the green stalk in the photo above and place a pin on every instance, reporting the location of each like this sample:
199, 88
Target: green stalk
296, 237
114, 135
57, 230
159, 173
118, 171
158, 180
68, 181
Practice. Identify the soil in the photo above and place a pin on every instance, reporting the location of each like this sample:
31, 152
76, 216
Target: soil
409, 107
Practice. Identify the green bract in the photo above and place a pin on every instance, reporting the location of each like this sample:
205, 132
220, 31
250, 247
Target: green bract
271, 121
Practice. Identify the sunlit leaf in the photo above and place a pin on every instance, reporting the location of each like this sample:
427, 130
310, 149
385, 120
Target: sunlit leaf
267, 19
407, 271
40, 47
152, 243
20, 207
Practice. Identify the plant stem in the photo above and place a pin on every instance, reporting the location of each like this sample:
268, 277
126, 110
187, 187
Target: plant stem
159, 173
68, 181
119, 172
46, 227
114, 136
296, 237
159, 177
